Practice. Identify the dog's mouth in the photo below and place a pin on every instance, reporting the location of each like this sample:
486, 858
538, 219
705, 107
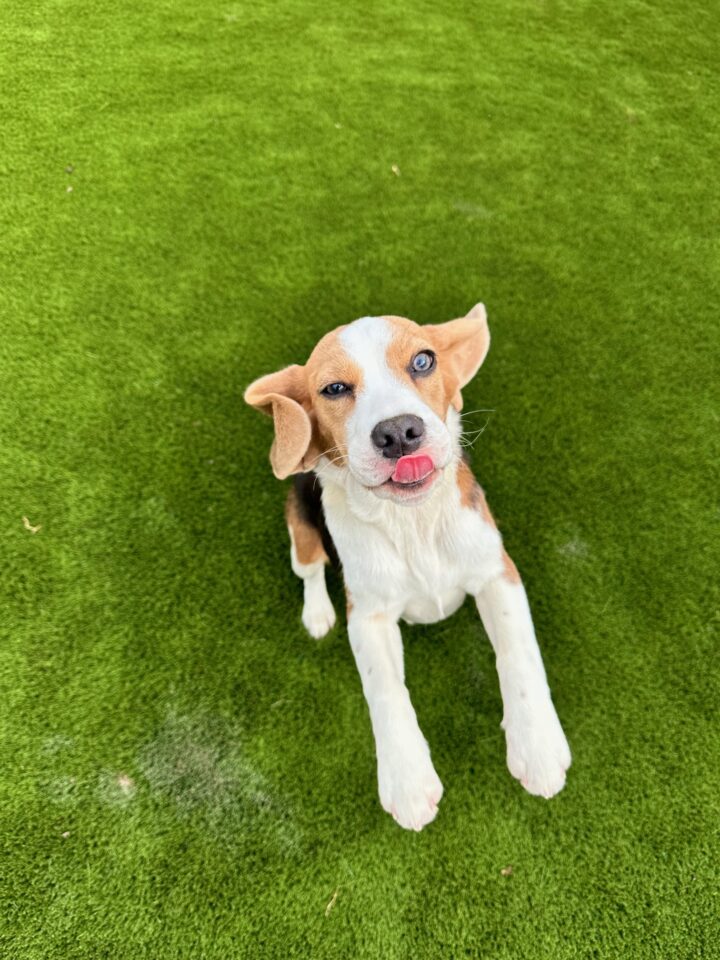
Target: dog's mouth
411, 476
412, 469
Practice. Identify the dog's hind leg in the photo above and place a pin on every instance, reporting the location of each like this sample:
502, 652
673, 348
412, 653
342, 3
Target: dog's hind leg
308, 558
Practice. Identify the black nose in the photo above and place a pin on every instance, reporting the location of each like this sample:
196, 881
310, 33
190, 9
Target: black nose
398, 436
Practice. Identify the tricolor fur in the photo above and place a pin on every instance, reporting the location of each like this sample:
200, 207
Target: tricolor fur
373, 420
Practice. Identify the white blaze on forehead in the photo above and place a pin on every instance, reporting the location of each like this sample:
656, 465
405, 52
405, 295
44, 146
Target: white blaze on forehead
383, 393
366, 341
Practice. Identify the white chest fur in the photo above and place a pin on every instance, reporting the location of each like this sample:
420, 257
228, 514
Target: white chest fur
416, 562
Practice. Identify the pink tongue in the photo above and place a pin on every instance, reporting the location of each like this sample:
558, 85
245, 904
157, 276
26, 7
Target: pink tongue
412, 469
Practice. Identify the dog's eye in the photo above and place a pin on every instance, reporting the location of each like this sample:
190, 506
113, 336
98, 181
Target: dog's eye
336, 389
422, 362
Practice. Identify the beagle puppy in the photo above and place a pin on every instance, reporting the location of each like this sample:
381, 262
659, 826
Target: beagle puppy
371, 427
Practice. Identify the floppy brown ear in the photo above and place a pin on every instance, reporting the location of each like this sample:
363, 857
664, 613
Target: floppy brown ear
461, 346
280, 395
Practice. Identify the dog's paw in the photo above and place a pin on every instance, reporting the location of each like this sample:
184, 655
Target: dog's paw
318, 616
410, 790
538, 754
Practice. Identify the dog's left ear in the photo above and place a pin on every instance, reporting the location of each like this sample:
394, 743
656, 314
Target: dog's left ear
281, 395
461, 346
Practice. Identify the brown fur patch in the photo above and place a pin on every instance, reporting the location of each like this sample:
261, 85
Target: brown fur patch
348, 603
472, 497
329, 363
511, 571
468, 486
408, 339
308, 542
485, 509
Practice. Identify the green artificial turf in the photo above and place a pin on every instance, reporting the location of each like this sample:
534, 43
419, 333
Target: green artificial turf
192, 193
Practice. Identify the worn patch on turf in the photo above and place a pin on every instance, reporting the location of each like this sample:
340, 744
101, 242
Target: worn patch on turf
57, 744
198, 765
61, 790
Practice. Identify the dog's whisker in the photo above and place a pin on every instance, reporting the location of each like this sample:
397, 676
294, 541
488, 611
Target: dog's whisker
471, 443
471, 436
469, 413
330, 462
329, 450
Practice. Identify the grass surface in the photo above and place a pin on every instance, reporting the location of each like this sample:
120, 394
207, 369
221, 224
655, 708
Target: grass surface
185, 773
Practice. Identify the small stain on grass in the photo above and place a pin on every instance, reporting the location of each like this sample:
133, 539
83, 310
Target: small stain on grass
115, 789
473, 211
574, 547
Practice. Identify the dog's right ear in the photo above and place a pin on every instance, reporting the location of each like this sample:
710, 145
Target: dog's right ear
281, 396
462, 346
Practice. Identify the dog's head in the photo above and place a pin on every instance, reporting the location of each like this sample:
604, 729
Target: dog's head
373, 403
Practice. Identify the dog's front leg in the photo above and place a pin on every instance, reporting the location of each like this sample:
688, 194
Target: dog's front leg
537, 751
409, 788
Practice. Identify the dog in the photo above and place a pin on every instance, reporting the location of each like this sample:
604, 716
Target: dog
370, 428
